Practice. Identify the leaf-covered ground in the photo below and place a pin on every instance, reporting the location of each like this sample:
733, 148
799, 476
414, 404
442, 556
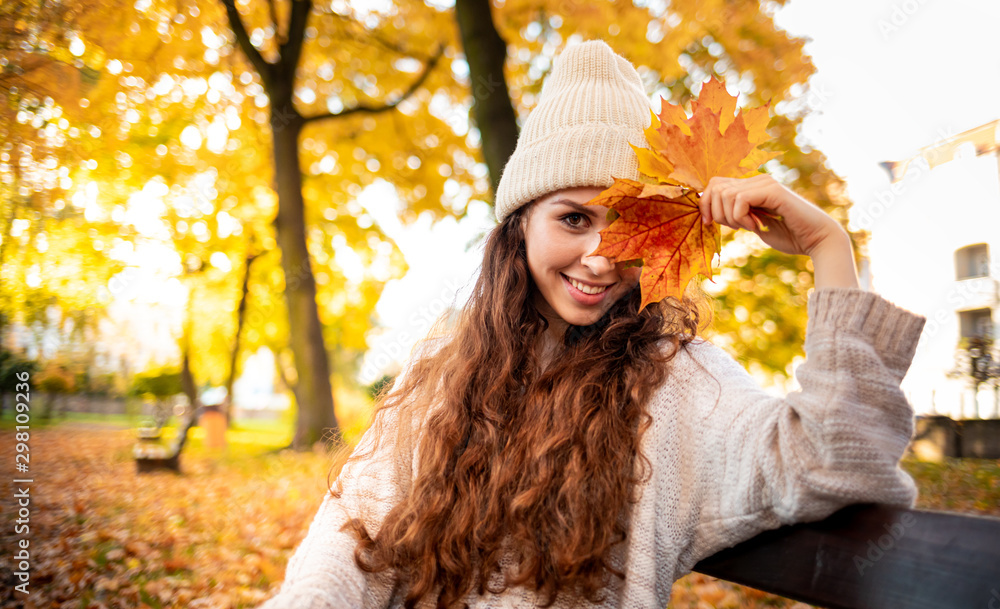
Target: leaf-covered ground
219, 535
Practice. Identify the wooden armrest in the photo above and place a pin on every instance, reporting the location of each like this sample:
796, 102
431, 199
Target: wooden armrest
873, 557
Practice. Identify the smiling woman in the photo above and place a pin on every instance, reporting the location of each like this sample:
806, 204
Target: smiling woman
563, 446
574, 287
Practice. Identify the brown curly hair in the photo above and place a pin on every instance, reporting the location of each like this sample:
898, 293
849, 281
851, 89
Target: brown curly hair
514, 458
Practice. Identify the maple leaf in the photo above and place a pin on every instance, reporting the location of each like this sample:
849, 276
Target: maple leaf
660, 224
712, 142
706, 152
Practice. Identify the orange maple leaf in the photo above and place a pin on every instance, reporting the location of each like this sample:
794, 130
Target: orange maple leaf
661, 225
712, 142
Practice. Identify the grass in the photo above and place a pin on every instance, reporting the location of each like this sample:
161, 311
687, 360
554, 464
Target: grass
7, 421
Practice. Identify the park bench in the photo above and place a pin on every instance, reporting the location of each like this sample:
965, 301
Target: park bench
151, 455
872, 557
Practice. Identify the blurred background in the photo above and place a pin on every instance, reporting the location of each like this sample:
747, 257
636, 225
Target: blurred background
224, 224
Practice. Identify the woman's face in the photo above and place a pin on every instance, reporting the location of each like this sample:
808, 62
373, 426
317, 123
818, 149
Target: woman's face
560, 234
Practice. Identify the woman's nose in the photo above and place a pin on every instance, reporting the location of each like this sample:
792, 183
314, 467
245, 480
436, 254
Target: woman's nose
598, 265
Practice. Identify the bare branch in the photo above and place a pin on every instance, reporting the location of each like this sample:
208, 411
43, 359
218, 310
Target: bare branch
274, 19
364, 34
260, 64
292, 49
365, 108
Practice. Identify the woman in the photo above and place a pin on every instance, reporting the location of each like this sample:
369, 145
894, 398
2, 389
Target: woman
558, 447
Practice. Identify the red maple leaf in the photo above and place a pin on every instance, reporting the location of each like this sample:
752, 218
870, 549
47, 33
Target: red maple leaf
661, 225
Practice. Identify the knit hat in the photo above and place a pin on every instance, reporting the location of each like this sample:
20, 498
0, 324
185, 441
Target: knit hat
592, 105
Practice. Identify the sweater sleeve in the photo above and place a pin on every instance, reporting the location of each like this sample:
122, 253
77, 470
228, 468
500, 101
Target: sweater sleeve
322, 573
762, 462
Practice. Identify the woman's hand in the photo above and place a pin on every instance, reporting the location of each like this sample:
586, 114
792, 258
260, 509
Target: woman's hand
784, 221
789, 224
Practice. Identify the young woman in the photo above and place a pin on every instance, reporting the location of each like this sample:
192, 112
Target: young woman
558, 447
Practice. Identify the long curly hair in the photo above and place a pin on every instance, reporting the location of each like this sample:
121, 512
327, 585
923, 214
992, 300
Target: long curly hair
513, 459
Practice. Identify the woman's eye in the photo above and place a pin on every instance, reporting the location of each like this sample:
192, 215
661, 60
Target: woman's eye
569, 219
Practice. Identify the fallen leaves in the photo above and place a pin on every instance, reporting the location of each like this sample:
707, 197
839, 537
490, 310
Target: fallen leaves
217, 536
659, 223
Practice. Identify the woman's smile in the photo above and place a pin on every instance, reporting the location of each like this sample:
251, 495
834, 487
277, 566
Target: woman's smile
585, 293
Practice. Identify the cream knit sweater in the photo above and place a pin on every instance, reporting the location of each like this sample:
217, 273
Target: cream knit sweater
728, 461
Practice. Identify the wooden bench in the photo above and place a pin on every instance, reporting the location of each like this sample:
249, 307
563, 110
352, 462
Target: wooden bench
873, 557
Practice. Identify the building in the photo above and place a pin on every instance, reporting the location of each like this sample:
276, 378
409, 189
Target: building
935, 250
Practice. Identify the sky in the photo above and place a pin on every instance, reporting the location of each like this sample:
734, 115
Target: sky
892, 77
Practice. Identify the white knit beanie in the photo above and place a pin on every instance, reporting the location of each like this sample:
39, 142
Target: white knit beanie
592, 105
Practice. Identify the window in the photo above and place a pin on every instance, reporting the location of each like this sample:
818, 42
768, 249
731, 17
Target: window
976, 323
972, 261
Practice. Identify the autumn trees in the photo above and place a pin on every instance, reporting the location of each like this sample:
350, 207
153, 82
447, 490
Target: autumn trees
313, 390
207, 133
211, 142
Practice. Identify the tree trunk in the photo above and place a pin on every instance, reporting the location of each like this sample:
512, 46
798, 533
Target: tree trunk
485, 52
235, 354
314, 394
188, 386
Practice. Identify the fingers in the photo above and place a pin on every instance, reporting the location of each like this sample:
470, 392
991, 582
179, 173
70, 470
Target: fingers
729, 201
741, 213
759, 198
711, 202
718, 205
